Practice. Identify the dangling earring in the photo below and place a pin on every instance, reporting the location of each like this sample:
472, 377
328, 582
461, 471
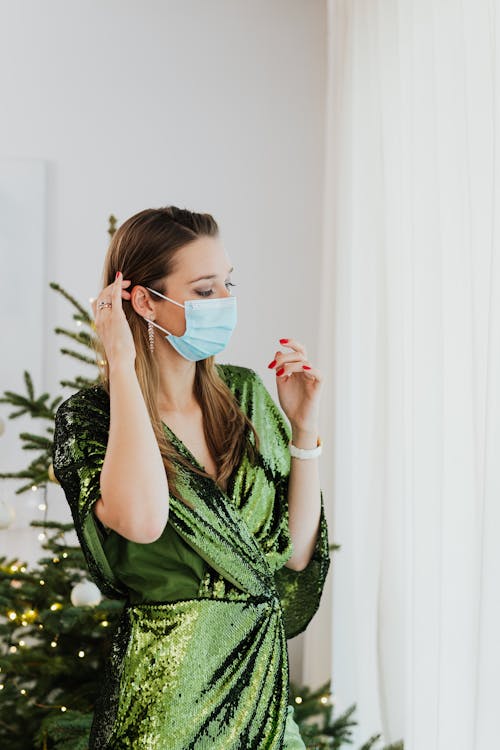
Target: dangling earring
151, 336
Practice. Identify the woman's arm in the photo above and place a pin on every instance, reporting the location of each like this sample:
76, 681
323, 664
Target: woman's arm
133, 482
304, 501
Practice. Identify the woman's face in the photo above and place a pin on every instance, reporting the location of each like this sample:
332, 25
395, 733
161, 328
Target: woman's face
202, 271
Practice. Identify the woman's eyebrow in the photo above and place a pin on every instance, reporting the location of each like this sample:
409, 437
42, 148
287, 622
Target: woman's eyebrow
213, 276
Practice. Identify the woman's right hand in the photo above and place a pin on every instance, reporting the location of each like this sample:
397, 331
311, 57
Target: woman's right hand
112, 325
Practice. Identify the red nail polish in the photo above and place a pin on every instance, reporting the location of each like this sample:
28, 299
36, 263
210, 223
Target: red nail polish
117, 274
283, 341
271, 364
306, 367
280, 371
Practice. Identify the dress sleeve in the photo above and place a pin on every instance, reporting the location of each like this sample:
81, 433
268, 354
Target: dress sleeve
299, 590
80, 439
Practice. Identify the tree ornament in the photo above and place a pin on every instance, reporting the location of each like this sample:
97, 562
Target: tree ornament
85, 594
50, 472
7, 515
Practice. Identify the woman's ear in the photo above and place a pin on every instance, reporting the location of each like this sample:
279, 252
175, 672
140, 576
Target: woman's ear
141, 301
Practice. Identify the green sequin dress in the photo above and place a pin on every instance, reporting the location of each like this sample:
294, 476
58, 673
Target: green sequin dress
199, 657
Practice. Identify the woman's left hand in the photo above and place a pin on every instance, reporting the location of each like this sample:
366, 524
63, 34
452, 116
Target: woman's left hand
298, 388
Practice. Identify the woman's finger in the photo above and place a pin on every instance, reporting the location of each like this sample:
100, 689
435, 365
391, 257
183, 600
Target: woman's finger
282, 358
116, 293
294, 344
291, 367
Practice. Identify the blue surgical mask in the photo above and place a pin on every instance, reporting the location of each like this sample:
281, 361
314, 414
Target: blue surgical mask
209, 325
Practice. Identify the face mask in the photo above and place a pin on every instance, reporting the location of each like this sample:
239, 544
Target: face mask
209, 325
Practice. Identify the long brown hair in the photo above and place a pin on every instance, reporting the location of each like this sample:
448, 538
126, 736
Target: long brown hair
144, 248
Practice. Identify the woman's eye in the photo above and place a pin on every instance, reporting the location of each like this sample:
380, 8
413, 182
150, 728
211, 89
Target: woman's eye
208, 292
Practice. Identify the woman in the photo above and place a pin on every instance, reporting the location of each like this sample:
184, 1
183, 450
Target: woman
186, 500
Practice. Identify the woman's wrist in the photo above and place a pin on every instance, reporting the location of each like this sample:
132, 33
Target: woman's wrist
121, 366
304, 438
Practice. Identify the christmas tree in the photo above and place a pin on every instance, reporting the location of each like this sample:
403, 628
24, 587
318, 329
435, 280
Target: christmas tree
55, 625
55, 631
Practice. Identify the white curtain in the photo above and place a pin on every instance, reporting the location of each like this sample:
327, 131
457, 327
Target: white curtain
410, 346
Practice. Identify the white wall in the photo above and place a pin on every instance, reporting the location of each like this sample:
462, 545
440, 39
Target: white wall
214, 106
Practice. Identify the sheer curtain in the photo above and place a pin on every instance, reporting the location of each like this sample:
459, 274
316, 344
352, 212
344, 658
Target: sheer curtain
410, 344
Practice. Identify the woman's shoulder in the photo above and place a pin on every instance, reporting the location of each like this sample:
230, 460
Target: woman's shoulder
234, 372
250, 390
241, 380
87, 403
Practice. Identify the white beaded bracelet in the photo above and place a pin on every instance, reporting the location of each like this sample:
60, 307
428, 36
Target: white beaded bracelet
306, 452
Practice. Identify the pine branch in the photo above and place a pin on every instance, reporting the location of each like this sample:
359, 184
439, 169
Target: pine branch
84, 315
79, 383
53, 525
29, 384
77, 355
81, 337
35, 442
36, 407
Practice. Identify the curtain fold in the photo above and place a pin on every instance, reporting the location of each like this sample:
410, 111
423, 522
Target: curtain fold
409, 341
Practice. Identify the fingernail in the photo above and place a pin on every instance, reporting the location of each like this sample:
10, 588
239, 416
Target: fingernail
306, 367
280, 371
283, 341
117, 274
271, 364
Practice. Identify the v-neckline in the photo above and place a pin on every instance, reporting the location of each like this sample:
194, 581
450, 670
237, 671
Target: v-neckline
187, 453
183, 448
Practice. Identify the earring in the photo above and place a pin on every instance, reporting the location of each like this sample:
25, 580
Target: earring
151, 336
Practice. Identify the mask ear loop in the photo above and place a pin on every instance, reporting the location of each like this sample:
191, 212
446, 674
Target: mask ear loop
158, 326
151, 322
162, 295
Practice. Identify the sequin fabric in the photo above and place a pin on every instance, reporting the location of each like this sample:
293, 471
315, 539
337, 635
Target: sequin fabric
209, 671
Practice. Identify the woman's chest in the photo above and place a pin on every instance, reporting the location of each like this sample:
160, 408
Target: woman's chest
189, 430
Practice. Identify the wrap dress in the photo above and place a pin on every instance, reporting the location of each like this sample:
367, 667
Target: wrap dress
199, 657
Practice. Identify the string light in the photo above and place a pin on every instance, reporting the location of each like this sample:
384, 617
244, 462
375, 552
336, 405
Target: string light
81, 654
14, 568
13, 649
55, 606
41, 536
298, 699
324, 699
55, 560
63, 708
11, 615
42, 506
65, 554
53, 644
104, 623
23, 691
41, 582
